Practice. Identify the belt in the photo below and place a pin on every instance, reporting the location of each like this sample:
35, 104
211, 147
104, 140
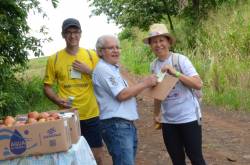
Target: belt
118, 119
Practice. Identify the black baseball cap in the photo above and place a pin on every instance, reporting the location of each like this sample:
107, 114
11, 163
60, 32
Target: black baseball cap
70, 22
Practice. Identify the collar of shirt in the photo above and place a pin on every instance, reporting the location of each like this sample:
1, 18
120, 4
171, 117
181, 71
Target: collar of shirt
113, 67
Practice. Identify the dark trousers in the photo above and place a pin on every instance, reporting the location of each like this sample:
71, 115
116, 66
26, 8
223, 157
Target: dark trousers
184, 138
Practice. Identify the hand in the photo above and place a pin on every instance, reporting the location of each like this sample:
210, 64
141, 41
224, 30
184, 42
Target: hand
169, 69
63, 103
157, 121
150, 81
157, 118
81, 67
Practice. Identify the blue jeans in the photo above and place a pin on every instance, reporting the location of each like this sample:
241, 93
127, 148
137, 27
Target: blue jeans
120, 137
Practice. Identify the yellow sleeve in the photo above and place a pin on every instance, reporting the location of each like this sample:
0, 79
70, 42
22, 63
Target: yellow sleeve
50, 73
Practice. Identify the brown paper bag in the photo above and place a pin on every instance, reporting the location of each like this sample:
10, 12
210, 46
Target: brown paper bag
162, 89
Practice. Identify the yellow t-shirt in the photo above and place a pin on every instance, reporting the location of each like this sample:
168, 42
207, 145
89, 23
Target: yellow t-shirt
59, 68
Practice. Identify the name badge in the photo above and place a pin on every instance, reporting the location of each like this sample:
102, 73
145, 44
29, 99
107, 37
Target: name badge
75, 74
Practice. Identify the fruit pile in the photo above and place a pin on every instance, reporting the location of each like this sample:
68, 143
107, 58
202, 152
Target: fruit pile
30, 118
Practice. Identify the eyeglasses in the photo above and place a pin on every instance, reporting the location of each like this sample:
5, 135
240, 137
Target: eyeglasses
72, 33
112, 49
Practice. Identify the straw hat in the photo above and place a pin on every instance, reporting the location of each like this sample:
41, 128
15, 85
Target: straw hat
159, 30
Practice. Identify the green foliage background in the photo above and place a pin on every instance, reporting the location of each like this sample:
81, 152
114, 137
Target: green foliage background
219, 48
16, 93
217, 40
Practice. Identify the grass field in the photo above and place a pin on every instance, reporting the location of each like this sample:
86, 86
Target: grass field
36, 67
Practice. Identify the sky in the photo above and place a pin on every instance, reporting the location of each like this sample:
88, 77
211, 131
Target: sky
92, 27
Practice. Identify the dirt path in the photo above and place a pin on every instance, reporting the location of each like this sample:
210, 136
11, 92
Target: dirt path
226, 137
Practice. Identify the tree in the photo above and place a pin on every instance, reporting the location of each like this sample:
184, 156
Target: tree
142, 13
138, 13
15, 45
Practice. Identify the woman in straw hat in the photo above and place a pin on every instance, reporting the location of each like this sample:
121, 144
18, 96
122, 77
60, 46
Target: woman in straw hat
179, 114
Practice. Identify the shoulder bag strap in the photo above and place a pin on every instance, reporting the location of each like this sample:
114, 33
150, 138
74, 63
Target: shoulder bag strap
153, 65
55, 63
176, 62
90, 57
56, 59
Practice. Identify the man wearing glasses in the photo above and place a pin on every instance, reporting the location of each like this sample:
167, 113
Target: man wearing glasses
117, 102
71, 69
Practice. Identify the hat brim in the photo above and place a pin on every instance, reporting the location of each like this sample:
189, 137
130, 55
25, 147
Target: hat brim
172, 39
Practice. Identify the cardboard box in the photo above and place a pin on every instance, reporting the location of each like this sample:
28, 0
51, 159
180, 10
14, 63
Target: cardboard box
74, 123
33, 139
73, 118
162, 89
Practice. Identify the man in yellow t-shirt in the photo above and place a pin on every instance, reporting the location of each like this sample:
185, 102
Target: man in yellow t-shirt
71, 70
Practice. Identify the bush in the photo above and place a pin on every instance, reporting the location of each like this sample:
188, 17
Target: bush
22, 96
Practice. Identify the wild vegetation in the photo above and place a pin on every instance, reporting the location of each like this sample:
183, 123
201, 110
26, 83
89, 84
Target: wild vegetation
219, 48
16, 94
216, 38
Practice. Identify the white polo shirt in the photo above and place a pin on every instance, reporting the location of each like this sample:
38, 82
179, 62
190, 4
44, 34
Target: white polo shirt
108, 83
180, 105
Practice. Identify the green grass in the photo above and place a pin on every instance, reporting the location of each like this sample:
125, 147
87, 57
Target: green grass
36, 67
29, 94
35, 75
36, 100
225, 38
137, 57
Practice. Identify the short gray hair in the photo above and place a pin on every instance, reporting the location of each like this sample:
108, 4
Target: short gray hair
101, 42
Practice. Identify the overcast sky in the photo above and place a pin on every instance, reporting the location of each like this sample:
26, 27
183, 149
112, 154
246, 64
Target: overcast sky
92, 27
